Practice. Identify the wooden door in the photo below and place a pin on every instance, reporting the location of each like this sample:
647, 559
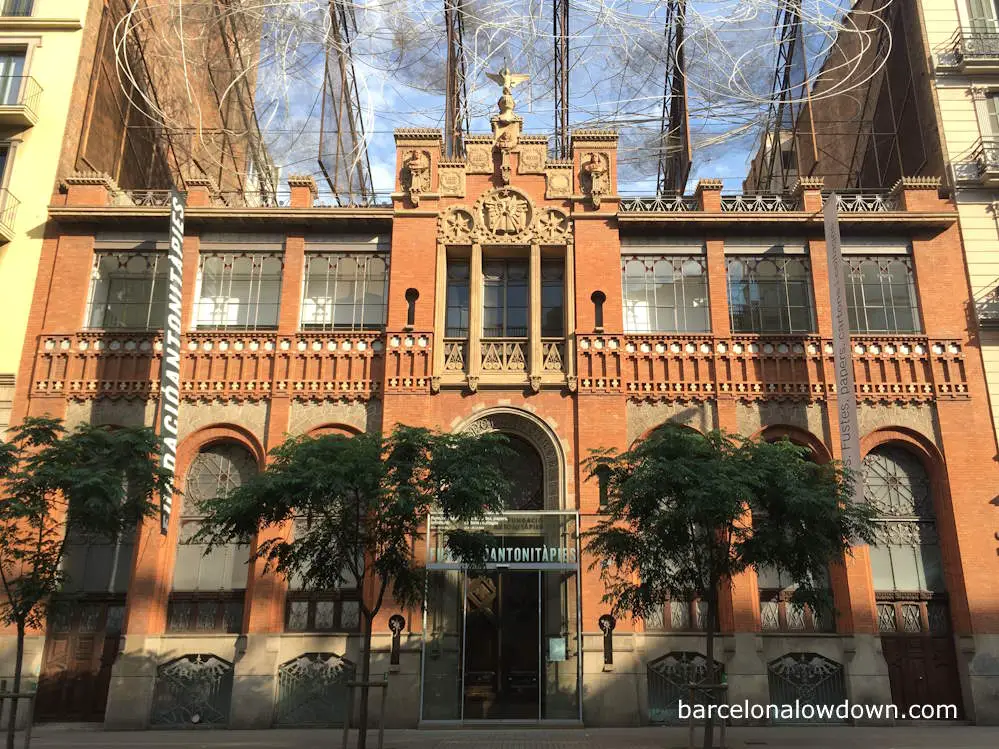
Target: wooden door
922, 671
80, 649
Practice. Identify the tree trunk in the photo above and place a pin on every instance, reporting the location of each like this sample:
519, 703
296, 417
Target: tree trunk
362, 728
712, 613
18, 664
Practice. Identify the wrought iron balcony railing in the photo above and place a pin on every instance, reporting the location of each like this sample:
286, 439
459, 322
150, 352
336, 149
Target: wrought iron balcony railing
759, 203
863, 202
8, 213
986, 159
660, 204
976, 46
20, 91
987, 305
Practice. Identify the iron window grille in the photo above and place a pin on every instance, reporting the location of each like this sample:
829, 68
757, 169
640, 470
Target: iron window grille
779, 613
220, 612
345, 291
456, 314
322, 612
665, 293
881, 294
552, 299
127, 291
239, 290
505, 299
770, 294
678, 616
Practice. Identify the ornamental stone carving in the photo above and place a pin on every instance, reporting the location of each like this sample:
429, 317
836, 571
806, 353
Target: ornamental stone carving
532, 159
457, 226
506, 214
416, 174
558, 182
595, 176
478, 158
451, 181
552, 227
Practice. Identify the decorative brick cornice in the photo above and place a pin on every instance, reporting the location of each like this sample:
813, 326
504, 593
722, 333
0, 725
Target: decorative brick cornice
206, 182
708, 185
559, 163
480, 138
533, 140
419, 133
303, 180
451, 163
807, 183
916, 183
594, 135
91, 178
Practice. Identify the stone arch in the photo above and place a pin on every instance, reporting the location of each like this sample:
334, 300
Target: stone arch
539, 435
347, 430
653, 429
206, 437
798, 436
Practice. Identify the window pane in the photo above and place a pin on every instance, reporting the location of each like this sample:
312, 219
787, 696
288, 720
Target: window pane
664, 293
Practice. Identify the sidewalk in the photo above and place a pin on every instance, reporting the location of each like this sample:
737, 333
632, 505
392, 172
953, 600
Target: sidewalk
910, 736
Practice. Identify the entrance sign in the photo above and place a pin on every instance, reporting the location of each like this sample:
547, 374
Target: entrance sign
170, 367
514, 555
846, 395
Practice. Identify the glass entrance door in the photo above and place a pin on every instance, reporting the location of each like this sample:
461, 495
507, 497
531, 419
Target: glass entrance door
501, 639
502, 643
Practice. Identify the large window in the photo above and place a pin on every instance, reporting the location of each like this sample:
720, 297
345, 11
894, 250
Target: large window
552, 299
665, 294
769, 294
16, 7
983, 16
96, 565
335, 610
127, 290
881, 294
456, 315
239, 290
505, 299
11, 76
906, 562
207, 592
345, 291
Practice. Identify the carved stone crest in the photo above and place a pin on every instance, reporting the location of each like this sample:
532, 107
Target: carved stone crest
552, 227
506, 213
416, 174
558, 183
595, 174
532, 160
457, 226
451, 182
479, 159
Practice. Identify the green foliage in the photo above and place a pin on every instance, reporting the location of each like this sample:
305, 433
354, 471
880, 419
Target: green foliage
54, 483
678, 511
359, 505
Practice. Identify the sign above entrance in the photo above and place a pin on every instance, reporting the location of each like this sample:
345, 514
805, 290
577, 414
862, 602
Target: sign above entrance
500, 555
541, 539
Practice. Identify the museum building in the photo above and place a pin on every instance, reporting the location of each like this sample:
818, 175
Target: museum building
513, 292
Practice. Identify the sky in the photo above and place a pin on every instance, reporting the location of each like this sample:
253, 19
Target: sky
618, 62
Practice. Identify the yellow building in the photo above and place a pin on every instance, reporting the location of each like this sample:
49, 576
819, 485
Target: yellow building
962, 42
39, 51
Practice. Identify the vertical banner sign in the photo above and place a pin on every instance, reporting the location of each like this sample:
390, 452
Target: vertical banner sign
170, 367
846, 396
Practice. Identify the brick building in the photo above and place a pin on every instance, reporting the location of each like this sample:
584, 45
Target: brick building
509, 291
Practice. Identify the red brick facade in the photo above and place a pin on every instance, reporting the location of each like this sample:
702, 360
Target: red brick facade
608, 386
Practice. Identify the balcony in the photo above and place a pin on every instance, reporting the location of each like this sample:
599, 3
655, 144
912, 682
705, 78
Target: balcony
8, 214
987, 306
19, 98
887, 368
985, 159
976, 50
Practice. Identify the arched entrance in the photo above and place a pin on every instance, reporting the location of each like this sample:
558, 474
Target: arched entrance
503, 643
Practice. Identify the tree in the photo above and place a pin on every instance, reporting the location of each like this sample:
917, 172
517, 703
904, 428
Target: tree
359, 505
678, 525
57, 483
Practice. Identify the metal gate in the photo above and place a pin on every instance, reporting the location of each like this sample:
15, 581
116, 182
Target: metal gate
312, 690
809, 679
195, 689
669, 679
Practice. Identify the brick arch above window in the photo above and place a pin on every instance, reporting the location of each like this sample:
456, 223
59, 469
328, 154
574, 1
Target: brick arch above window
802, 437
346, 430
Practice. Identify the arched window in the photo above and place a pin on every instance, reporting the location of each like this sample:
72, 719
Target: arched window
208, 590
905, 559
526, 472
